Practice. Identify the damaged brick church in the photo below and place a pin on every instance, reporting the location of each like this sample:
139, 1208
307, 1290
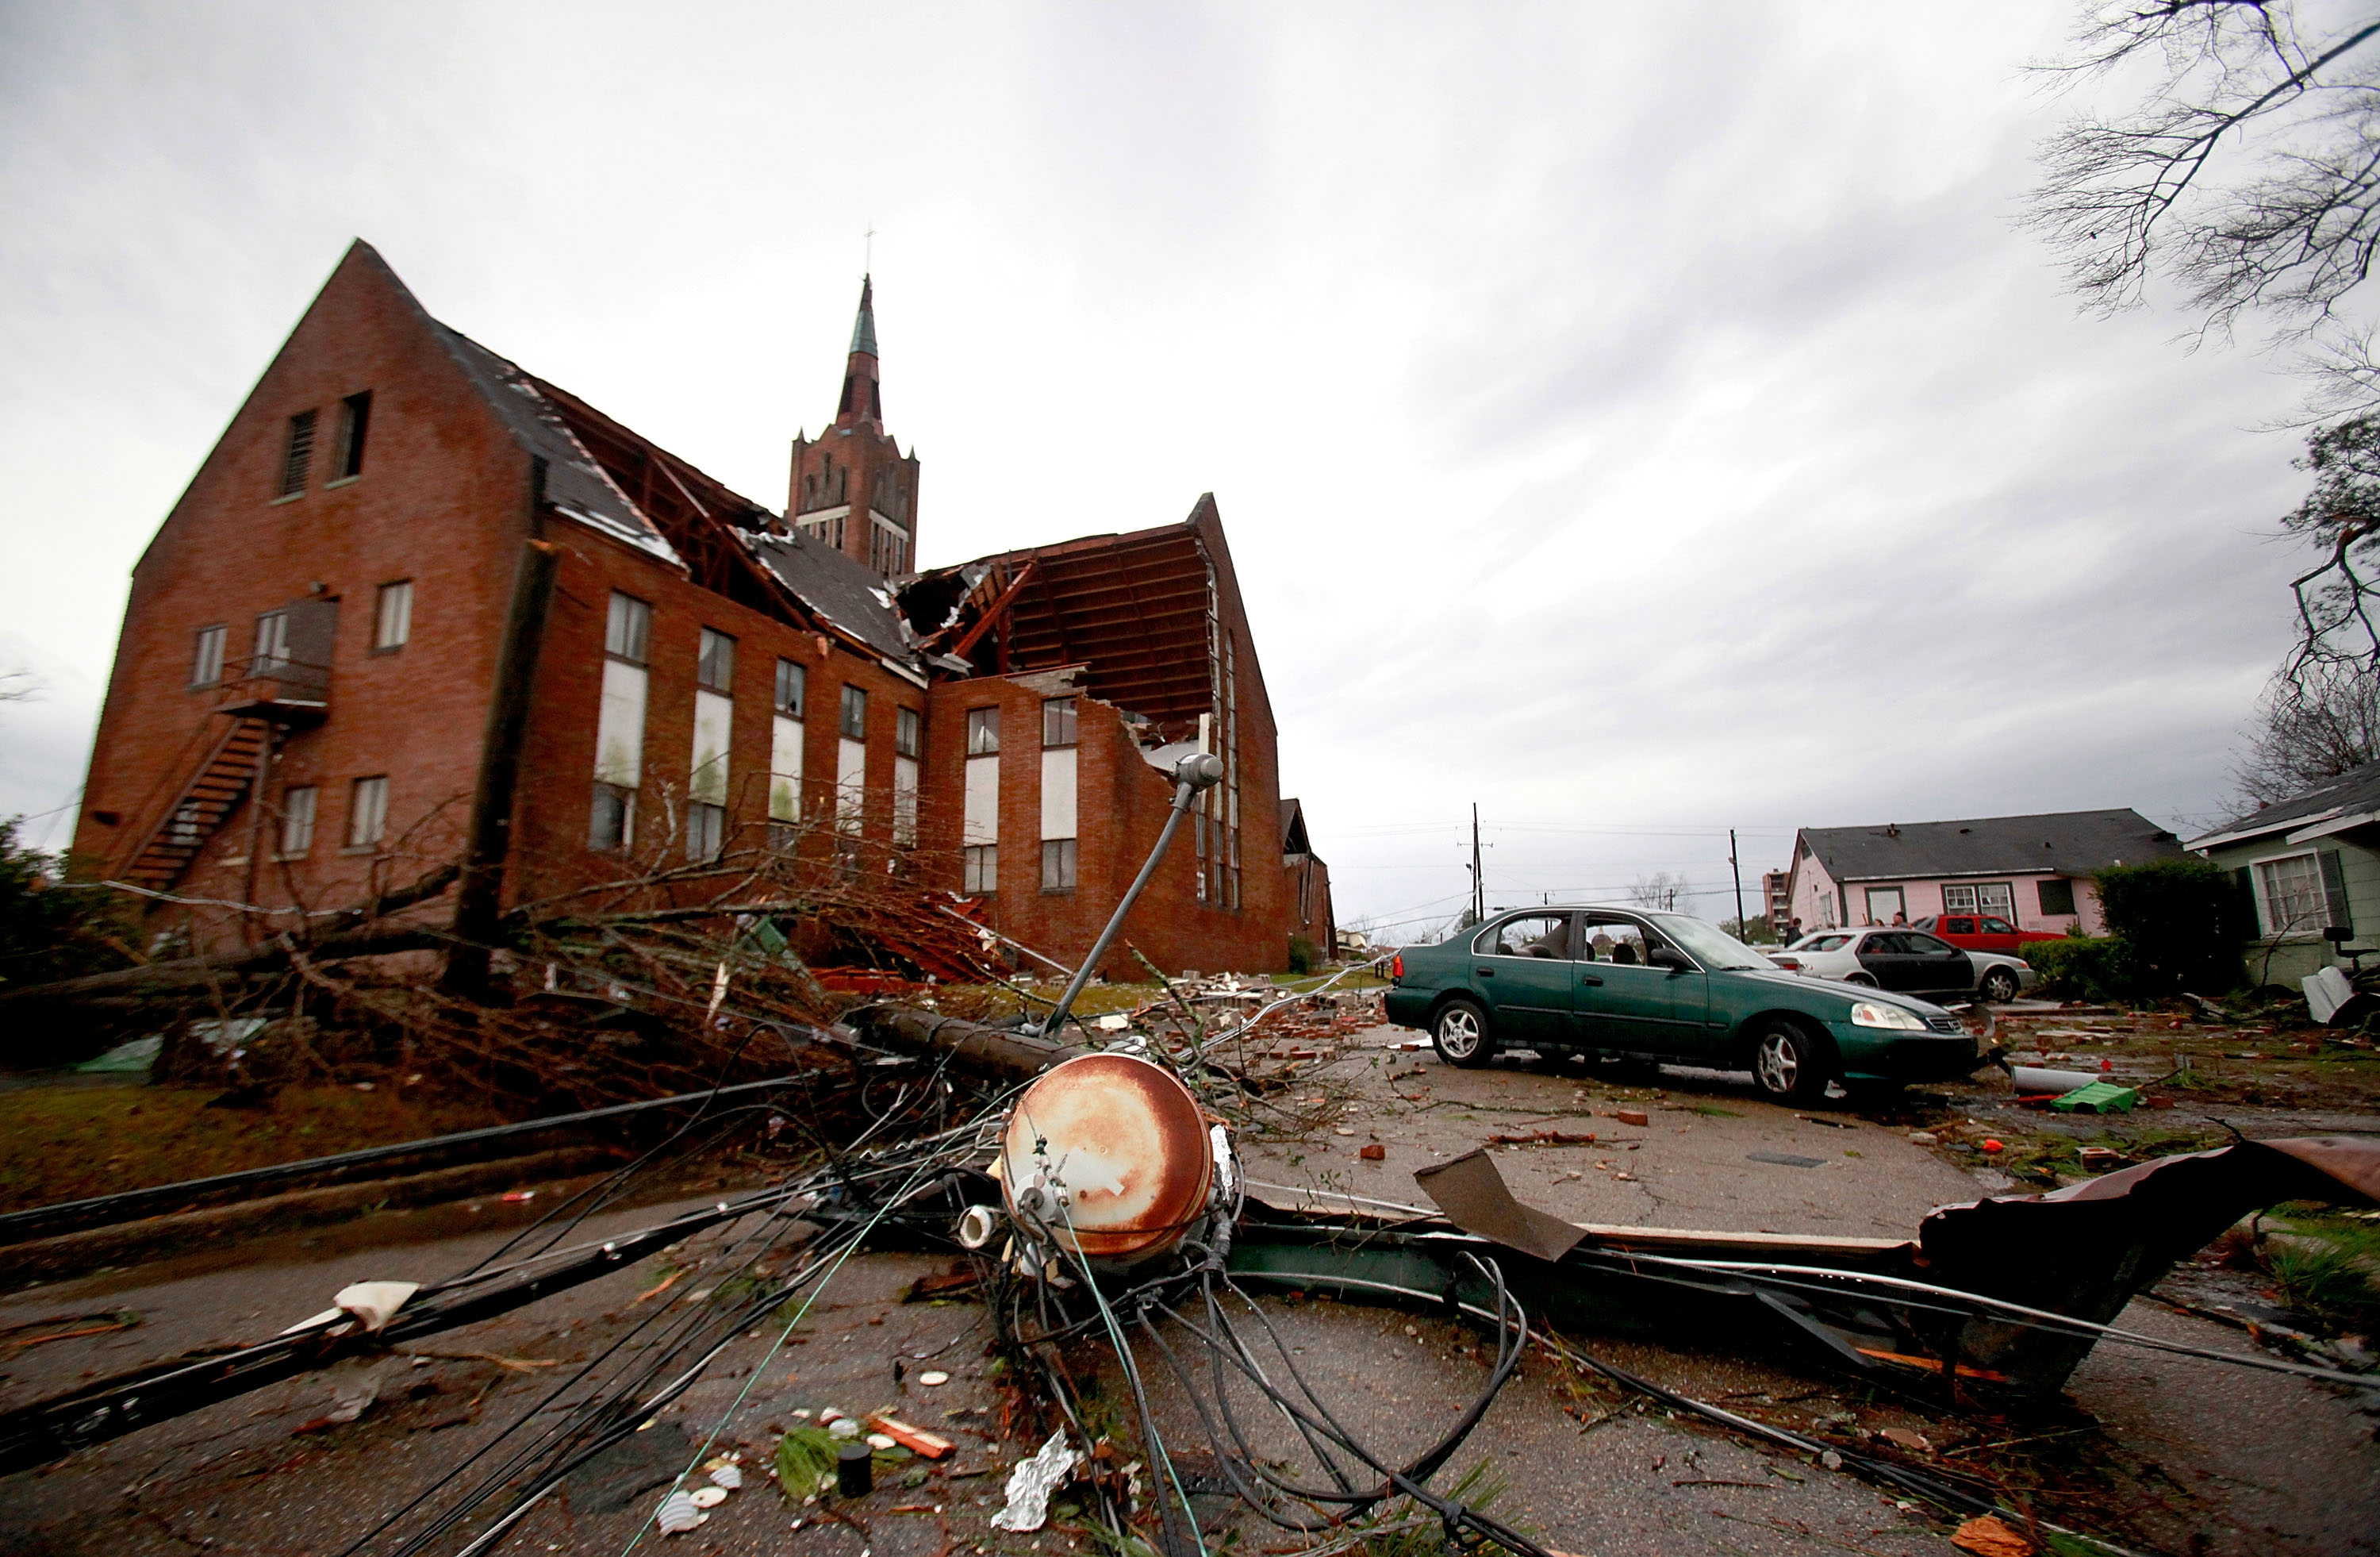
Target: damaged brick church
418, 605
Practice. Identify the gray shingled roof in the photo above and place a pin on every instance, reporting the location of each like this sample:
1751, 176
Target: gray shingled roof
2069, 842
839, 589
574, 482
2352, 793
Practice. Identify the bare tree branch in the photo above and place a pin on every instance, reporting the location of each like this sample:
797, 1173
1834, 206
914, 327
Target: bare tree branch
2248, 173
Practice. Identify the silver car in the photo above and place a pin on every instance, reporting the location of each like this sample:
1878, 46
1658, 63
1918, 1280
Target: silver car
1910, 961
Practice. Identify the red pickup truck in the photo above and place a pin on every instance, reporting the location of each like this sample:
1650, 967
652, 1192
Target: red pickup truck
1980, 932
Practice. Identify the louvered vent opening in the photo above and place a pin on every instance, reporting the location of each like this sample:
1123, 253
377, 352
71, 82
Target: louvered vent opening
301, 453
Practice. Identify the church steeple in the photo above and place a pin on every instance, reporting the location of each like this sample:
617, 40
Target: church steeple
863, 396
852, 488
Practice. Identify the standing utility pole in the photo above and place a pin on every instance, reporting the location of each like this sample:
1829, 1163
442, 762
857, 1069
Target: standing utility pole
1479, 883
1738, 870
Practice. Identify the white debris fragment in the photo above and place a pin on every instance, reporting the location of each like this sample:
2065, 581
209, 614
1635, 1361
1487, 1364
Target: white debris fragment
1114, 1021
1030, 1484
936, 1377
678, 1515
707, 1497
729, 1476
375, 1302
882, 1442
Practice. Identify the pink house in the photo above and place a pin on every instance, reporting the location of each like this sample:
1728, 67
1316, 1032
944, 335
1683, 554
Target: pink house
2036, 872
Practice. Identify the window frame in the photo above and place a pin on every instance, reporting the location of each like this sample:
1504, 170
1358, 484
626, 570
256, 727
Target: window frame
979, 867
908, 733
714, 661
297, 821
1965, 889
2256, 867
207, 646
355, 431
638, 622
1066, 714
852, 717
624, 808
983, 731
382, 596
706, 832
357, 811
800, 680
1068, 858
2073, 903
259, 661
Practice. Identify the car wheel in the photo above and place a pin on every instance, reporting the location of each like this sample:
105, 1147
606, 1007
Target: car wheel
1999, 986
1789, 1065
1866, 980
1460, 1036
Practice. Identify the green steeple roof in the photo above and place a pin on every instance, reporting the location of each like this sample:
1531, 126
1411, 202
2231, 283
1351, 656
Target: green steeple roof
863, 329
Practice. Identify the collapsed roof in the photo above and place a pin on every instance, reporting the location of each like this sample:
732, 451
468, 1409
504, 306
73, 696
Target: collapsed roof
1136, 612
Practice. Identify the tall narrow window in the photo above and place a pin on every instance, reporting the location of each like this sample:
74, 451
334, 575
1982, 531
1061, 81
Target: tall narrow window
715, 669
612, 824
785, 755
367, 812
392, 616
355, 420
1057, 865
620, 724
983, 732
629, 631
855, 713
909, 737
1058, 721
207, 656
298, 820
271, 644
706, 829
982, 867
299, 455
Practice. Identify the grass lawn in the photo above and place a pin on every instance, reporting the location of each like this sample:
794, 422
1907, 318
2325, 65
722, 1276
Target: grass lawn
64, 1143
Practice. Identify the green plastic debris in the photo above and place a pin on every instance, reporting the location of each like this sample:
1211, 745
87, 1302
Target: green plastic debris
125, 1059
2100, 1096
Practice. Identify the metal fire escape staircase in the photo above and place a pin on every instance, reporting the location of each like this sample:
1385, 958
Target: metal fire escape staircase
285, 685
212, 791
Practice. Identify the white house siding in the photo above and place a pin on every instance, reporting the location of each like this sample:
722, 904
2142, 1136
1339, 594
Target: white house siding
786, 770
2287, 959
714, 718
620, 726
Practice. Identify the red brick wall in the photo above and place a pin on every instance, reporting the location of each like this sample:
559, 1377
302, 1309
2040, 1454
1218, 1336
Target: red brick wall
443, 500
558, 760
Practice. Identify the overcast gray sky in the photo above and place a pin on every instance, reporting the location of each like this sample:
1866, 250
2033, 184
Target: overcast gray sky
1638, 420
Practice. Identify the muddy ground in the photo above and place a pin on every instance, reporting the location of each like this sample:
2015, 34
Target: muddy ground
2157, 1452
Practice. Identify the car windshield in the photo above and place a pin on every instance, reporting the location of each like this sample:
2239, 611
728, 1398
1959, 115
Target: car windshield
1709, 946
1821, 940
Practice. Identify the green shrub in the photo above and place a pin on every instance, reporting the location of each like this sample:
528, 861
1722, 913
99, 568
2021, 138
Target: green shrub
49, 930
2174, 920
1301, 955
2086, 966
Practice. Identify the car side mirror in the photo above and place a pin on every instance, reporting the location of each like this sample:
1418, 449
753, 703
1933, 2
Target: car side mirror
1671, 960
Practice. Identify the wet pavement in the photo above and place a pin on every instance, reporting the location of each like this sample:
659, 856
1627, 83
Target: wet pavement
2168, 1453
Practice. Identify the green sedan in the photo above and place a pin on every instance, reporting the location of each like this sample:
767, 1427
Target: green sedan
1626, 982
